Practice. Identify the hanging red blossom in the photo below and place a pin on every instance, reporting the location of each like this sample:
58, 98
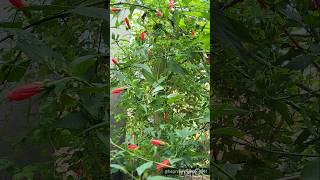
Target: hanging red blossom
17, 3
115, 9
159, 13
142, 36
165, 115
126, 20
163, 164
171, 4
117, 90
193, 33
25, 91
115, 61
157, 142
132, 146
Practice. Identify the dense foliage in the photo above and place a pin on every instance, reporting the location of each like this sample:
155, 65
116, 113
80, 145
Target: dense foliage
265, 89
59, 53
164, 69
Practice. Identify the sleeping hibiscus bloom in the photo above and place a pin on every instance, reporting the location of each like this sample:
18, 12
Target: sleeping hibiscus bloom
115, 61
17, 3
157, 142
132, 146
25, 91
115, 9
163, 164
159, 13
117, 90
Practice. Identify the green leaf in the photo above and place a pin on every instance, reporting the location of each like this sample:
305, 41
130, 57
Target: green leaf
5, 164
81, 65
144, 167
172, 161
225, 109
103, 138
282, 108
311, 171
173, 97
156, 90
160, 178
74, 120
32, 47
175, 67
206, 118
185, 132
143, 66
229, 131
117, 166
300, 62
93, 12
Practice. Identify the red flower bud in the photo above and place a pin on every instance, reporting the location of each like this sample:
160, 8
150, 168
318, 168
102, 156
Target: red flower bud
132, 146
115, 61
165, 115
117, 90
157, 142
171, 4
193, 33
115, 9
159, 13
17, 3
142, 36
24, 92
126, 20
163, 164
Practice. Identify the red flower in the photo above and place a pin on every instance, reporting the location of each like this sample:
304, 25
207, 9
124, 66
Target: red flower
159, 13
132, 146
165, 115
115, 9
193, 33
17, 3
171, 4
117, 90
126, 20
24, 92
163, 164
142, 36
157, 142
79, 172
115, 61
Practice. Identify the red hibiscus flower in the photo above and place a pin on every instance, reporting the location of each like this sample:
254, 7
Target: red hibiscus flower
163, 164
132, 146
117, 90
142, 36
126, 20
115, 61
165, 115
17, 3
193, 33
24, 91
157, 142
159, 13
115, 9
